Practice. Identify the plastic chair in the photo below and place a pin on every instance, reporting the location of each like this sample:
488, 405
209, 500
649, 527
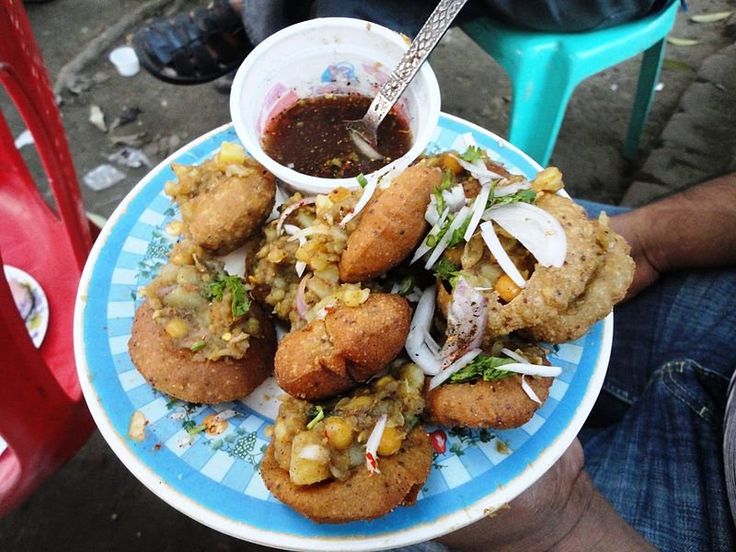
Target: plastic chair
43, 419
545, 68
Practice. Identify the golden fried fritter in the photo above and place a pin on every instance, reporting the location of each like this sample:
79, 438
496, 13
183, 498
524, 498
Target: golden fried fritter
500, 404
363, 495
177, 372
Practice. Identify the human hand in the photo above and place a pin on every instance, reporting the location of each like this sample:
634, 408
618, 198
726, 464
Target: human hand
629, 225
537, 519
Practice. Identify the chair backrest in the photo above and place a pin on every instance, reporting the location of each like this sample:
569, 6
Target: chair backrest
44, 419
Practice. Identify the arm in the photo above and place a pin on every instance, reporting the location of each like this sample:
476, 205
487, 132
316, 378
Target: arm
561, 512
691, 229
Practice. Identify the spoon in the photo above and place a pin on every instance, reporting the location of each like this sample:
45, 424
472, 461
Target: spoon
363, 131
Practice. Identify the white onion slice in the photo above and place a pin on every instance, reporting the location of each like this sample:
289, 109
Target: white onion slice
535, 228
467, 316
479, 208
509, 189
454, 198
290, 209
423, 357
516, 356
532, 369
502, 258
479, 170
423, 247
298, 234
301, 305
431, 344
528, 390
460, 363
371, 445
460, 217
422, 319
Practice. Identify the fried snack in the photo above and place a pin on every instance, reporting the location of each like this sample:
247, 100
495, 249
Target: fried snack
606, 287
500, 404
391, 225
354, 457
198, 336
184, 375
224, 200
480, 396
350, 345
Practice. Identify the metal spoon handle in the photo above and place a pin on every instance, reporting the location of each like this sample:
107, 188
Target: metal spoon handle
420, 48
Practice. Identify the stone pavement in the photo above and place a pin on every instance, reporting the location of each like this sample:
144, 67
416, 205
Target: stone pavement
94, 503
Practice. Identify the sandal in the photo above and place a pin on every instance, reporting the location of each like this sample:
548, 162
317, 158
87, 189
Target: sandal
194, 47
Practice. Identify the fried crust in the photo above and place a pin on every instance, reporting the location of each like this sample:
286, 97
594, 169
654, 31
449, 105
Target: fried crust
500, 404
178, 373
223, 217
349, 346
363, 495
391, 225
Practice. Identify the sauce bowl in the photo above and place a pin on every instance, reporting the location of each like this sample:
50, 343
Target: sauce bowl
321, 56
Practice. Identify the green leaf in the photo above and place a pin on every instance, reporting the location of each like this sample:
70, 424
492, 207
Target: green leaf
319, 416
522, 196
473, 153
240, 301
676, 65
710, 17
487, 367
457, 235
675, 41
198, 345
407, 284
446, 270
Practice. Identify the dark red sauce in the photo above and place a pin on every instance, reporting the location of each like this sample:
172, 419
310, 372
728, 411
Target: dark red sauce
311, 138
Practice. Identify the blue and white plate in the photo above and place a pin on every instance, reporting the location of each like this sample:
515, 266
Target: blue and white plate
215, 478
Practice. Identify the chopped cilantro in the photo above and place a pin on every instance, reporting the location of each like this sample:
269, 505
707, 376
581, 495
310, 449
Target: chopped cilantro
407, 284
240, 301
447, 271
362, 180
487, 367
457, 235
192, 428
198, 345
473, 153
522, 196
446, 184
316, 417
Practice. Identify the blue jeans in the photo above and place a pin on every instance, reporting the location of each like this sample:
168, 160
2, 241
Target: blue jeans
654, 441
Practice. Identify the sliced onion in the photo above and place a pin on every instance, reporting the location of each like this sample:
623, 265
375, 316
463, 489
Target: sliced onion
528, 390
460, 363
290, 209
301, 305
516, 356
423, 247
431, 344
479, 208
431, 214
454, 198
532, 369
297, 233
460, 217
416, 341
423, 357
535, 228
512, 188
478, 170
467, 316
502, 258
371, 446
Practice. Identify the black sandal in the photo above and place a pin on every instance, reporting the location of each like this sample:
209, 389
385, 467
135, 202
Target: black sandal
195, 47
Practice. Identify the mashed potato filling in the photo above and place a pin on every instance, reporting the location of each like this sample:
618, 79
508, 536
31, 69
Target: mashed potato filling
319, 442
200, 306
311, 236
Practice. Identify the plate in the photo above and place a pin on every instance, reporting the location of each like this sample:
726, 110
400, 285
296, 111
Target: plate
214, 478
37, 318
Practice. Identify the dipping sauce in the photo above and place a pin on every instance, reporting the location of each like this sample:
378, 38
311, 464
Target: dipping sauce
310, 137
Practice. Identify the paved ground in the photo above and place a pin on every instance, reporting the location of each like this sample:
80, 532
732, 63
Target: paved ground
94, 503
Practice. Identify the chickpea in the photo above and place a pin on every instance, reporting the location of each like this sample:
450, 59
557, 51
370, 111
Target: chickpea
176, 328
363, 402
340, 433
506, 288
391, 441
383, 382
412, 374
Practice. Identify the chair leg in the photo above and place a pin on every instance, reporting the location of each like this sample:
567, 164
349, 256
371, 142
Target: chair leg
537, 109
648, 76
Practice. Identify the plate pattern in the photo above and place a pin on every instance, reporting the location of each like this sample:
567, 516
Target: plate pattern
218, 470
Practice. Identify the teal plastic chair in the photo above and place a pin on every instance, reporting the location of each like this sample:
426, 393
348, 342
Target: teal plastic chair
545, 68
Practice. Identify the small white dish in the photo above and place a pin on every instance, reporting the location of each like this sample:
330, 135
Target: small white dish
35, 313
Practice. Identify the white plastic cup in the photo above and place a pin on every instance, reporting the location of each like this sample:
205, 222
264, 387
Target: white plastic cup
317, 57
125, 61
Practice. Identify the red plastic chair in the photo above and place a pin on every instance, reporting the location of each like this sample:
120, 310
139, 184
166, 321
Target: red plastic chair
43, 417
